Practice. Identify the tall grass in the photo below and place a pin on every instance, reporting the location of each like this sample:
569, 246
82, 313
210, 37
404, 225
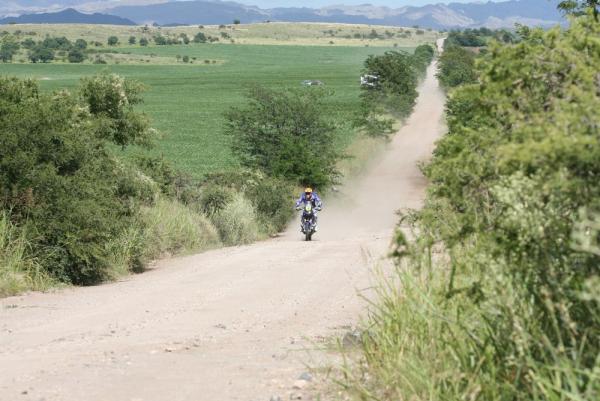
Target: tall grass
18, 271
163, 229
171, 227
422, 342
237, 222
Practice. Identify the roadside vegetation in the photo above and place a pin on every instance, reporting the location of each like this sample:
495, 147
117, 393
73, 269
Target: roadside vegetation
390, 92
456, 66
480, 37
496, 291
82, 215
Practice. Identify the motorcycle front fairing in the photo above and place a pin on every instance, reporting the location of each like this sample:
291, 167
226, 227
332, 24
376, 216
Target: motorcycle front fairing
308, 216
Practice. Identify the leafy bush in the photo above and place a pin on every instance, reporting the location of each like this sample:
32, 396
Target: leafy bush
200, 37
110, 99
272, 198
41, 54
214, 199
422, 57
112, 41
510, 309
172, 182
80, 44
28, 43
76, 56
8, 48
160, 40
456, 67
70, 196
285, 134
395, 90
467, 38
396, 87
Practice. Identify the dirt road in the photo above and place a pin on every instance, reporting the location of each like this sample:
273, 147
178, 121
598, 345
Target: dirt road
229, 324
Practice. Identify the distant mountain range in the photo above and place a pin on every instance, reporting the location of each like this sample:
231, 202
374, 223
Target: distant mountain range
437, 16
68, 16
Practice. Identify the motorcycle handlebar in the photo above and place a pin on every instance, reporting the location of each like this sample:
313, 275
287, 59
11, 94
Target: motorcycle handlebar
318, 209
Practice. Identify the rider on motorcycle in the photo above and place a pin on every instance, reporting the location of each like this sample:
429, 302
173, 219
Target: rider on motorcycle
310, 196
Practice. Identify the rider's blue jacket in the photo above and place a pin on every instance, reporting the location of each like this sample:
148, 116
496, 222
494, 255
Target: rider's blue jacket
316, 201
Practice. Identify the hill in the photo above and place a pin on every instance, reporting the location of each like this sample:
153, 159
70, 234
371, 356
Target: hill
492, 14
68, 16
438, 16
192, 13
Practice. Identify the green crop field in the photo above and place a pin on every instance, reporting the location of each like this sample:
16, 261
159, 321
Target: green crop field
186, 101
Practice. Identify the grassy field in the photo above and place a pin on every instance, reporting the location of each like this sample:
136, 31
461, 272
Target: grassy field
186, 101
265, 33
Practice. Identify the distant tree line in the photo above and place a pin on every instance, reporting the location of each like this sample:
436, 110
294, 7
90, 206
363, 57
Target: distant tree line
53, 48
461, 48
479, 37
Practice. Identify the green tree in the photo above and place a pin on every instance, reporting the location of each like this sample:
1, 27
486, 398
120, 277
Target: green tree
422, 57
395, 88
200, 37
57, 43
132, 40
456, 67
160, 40
184, 38
73, 197
579, 7
110, 99
285, 134
81, 44
8, 48
28, 43
113, 41
236, 21
467, 38
143, 42
76, 56
41, 54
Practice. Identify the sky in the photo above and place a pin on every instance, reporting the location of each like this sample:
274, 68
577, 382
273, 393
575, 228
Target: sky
260, 3
321, 3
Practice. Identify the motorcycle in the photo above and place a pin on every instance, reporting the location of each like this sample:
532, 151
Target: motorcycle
307, 221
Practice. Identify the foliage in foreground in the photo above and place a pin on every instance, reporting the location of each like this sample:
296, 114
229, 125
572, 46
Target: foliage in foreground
70, 210
58, 177
498, 297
